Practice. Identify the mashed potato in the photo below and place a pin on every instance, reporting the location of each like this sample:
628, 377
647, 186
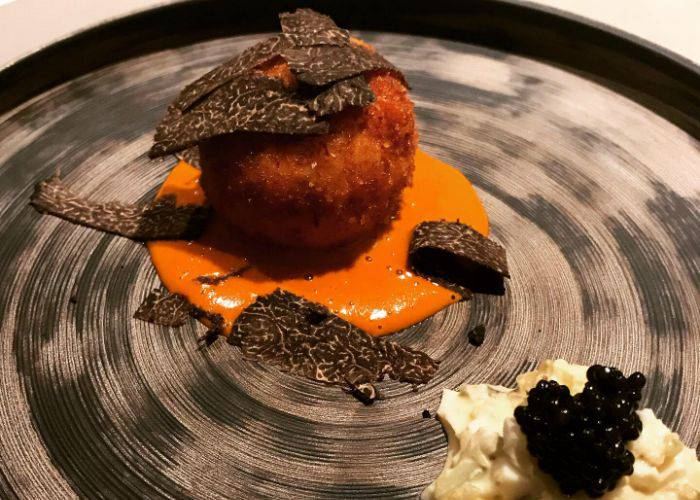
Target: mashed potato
487, 454
322, 190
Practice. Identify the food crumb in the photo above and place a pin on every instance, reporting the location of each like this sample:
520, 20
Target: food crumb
476, 335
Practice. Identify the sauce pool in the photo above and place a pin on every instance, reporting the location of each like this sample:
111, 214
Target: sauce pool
366, 283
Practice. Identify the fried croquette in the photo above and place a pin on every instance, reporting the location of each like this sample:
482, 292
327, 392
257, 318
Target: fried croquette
316, 191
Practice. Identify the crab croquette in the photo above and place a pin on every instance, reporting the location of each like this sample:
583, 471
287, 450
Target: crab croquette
321, 190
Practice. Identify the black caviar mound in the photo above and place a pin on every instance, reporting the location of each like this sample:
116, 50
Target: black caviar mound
580, 440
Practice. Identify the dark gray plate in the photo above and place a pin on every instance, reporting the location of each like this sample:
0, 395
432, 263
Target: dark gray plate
584, 149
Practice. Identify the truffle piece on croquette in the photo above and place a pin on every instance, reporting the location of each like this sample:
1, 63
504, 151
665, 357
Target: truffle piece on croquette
309, 142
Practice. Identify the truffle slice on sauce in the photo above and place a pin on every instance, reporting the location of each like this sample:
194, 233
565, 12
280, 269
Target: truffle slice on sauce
306, 339
458, 257
303, 338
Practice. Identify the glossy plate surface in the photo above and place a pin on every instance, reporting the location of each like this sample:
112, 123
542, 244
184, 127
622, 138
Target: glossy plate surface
594, 194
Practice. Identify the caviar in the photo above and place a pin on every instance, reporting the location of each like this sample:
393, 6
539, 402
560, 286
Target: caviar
580, 440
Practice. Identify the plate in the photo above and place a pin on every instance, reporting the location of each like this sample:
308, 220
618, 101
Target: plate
582, 143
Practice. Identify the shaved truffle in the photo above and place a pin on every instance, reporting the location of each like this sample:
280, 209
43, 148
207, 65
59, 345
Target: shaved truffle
217, 279
224, 73
190, 156
251, 103
458, 257
324, 64
306, 339
235, 96
163, 308
307, 27
306, 21
302, 338
160, 220
351, 92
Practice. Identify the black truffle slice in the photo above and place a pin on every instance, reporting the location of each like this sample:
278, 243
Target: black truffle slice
163, 308
235, 96
305, 21
326, 37
351, 92
160, 220
209, 279
251, 103
321, 65
258, 54
458, 257
306, 27
301, 28
190, 156
224, 73
306, 339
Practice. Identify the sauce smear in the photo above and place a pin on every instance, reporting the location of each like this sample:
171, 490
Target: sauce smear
367, 283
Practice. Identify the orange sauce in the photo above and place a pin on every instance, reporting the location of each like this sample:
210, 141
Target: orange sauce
367, 283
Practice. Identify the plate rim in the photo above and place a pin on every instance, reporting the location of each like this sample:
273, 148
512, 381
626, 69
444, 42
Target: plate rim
498, 24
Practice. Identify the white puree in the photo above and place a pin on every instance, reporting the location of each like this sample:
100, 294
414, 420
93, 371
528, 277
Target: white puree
487, 456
